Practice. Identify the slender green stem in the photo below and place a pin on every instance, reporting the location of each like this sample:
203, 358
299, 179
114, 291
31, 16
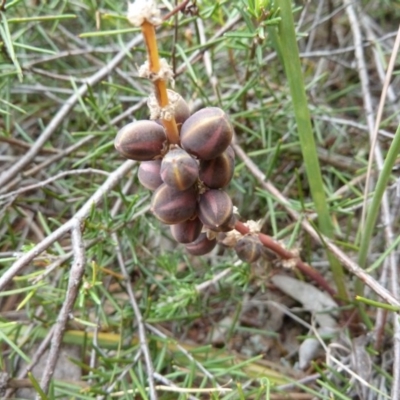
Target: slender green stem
373, 211
377, 304
288, 49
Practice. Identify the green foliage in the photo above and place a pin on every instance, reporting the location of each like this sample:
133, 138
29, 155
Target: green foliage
300, 125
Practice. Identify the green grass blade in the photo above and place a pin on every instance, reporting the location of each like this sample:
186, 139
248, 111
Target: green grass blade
381, 185
288, 49
8, 43
37, 387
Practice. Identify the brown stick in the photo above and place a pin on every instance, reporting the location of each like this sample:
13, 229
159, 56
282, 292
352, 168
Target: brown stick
277, 248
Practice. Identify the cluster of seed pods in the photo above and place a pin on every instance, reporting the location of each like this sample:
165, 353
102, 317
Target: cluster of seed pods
187, 180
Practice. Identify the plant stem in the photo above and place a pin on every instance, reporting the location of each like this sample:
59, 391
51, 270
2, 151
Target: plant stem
160, 85
380, 188
287, 44
278, 249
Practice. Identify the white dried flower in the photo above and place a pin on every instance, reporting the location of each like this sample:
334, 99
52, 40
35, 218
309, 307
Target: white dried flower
143, 10
254, 226
289, 264
156, 112
165, 72
144, 70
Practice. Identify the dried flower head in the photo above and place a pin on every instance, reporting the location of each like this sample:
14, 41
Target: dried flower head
254, 226
165, 72
143, 10
231, 238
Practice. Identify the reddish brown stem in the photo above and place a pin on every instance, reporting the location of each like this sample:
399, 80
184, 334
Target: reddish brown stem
178, 8
278, 249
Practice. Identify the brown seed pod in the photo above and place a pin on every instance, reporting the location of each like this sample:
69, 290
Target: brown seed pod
182, 112
149, 174
218, 172
188, 231
207, 133
215, 208
173, 206
225, 227
248, 249
202, 245
141, 140
179, 169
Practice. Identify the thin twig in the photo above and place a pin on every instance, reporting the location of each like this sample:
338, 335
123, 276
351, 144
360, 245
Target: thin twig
139, 320
368, 108
52, 179
347, 262
376, 153
285, 254
83, 212
215, 279
171, 384
179, 7
208, 374
74, 281
34, 359
11, 172
195, 55
62, 154
121, 375
354, 124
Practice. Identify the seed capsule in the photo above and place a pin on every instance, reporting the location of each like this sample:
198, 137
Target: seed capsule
173, 206
207, 133
188, 231
140, 140
149, 174
248, 249
215, 209
179, 170
218, 172
202, 245
182, 112
226, 226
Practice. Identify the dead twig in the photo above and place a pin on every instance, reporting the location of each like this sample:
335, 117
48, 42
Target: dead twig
347, 262
376, 153
74, 281
11, 172
144, 348
113, 179
52, 179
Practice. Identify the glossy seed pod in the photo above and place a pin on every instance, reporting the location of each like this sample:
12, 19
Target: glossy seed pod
202, 245
207, 133
173, 206
149, 174
179, 169
218, 172
215, 208
226, 226
181, 108
141, 140
188, 231
248, 249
